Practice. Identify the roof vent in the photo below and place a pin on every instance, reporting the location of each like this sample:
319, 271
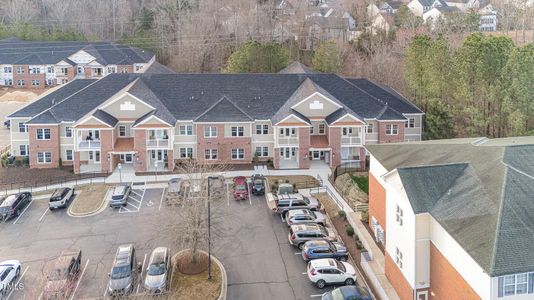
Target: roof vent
449, 192
53, 101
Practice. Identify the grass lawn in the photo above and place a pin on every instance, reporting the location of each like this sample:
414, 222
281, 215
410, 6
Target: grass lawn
196, 287
301, 181
362, 182
90, 198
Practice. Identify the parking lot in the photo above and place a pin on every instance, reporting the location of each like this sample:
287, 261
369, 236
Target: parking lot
248, 238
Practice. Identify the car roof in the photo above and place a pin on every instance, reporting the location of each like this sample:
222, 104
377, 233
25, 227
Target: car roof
58, 192
119, 189
158, 255
123, 255
350, 290
324, 262
317, 243
299, 212
304, 227
290, 197
9, 200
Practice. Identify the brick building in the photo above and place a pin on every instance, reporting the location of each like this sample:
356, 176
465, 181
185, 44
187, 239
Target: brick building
37, 64
455, 217
155, 120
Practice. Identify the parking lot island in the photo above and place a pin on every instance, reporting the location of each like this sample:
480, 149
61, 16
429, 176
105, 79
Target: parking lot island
89, 200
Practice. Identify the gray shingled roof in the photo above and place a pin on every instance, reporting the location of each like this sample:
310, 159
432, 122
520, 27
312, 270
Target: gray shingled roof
297, 68
14, 51
224, 110
482, 195
157, 68
105, 117
255, 96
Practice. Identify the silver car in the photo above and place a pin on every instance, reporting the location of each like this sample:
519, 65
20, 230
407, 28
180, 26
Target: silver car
303, 216
120, 195
301, 233
123, 274
158, 272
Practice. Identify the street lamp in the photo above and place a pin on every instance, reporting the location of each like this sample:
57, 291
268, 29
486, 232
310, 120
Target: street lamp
209, 228
120, 172
156, 165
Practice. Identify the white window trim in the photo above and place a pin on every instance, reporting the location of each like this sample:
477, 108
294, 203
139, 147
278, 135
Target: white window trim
211, 130
43, 134
211, 151
238, 129
44, 162
240, 154
122, 134
262, 128
67, 155
392, 128
26, 149
66, 132
186, 152
186, 130
262, 151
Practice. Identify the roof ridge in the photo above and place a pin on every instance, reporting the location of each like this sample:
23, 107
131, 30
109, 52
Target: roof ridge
402, 98
224, 97
499, 221
434, 165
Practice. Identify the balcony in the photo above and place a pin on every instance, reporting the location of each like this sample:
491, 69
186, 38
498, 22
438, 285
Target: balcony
351, 140
155, 143
89, 144
288, 140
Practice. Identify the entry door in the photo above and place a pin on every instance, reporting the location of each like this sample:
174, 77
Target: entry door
316, 155
128, 158
287, 153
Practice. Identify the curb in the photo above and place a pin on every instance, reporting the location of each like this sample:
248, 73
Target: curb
100, 209
224, 278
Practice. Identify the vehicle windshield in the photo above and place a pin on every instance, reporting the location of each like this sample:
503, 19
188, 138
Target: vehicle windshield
258, 182
56, 198
283, 190
117, 197
240, 187
58, 274
340, 266
120, 272
323, 231
306, 200
4, 210
337, 295
157, 268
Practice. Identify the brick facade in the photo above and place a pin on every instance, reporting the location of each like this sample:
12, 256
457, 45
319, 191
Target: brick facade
76, 162
397, 280
223, 144
334, 141
140, 162
384, 138
28, 77
445, 282
377, 202
106, 146
51, 145
304, 147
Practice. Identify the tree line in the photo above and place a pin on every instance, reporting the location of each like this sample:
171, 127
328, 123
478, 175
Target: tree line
483, 88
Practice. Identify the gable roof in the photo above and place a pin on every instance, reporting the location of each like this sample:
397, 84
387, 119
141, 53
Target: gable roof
296, 68
480, 194
224, 110
105, 117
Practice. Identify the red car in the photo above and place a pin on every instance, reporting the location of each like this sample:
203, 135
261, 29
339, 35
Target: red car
240, 188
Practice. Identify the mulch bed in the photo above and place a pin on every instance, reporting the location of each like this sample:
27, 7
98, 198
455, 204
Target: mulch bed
185, 263
341, 226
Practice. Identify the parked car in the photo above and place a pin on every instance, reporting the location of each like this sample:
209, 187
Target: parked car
120, 195
9, 272
300, 234
60, 198
14, 204
62, 278
347, 292
283, 203
330, 271
302, 216
258, 184
285, 189
158, 272
240, 188
324, 249
123, 275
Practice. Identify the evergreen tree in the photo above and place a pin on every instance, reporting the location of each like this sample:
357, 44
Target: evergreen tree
327, 58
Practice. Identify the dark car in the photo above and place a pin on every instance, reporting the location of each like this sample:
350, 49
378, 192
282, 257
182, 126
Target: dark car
14, 204
347, 292
324, 249
63, 276
258, 184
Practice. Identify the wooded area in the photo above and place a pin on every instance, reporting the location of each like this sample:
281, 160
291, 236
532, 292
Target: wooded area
469, 85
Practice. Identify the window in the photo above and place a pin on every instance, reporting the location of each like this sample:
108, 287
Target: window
238, 131
34, 70
370, 128
49, 82
35, 82
50, 69
122, 130
238, 153
186, 152
23, 127
399, 214
262, 151
137, 68
63, 71
21, 82
124, 70
210, 154
8, 82
8, 70
210, 131
321, 128
398, 257
311, 130
186, 129
410, 123
68, 154
112, 70
288, 131
23, 150
68, 131
20, 70
516, 284
43, 134
44, 157
392, 129
262, 129
347, 131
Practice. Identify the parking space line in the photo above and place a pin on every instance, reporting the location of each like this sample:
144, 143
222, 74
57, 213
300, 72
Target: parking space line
227, 195
304, 273
79, 280
23, 212
42, 216
316, 295
250, 192
17, 283
161, 200
298, 253
141, 275
135, 193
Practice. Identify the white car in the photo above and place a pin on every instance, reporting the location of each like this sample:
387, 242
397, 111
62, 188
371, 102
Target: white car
301, 216
60, 198
330, 271
9, 272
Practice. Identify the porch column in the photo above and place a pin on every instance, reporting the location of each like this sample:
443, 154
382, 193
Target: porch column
170, 159
76, 162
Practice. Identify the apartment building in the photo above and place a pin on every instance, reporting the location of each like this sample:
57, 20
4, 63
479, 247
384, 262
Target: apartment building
38, 64
455, 217
153, 121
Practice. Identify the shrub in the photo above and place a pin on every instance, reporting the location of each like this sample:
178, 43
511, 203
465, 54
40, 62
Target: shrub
274, 187
287, 180
364, 216
350, 230
25, 160
60, 162
359, 244
342, 214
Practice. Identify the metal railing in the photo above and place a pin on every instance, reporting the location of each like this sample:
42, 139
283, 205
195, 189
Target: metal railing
51, 184
288, 140
155, 143
95, 144
351, 140
326, 189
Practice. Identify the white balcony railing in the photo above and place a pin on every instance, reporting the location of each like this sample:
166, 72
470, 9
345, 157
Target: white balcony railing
94, 144
153, 143
288, 140
351, 140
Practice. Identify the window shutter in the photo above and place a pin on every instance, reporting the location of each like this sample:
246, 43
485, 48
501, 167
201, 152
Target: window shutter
501, 287
531, 283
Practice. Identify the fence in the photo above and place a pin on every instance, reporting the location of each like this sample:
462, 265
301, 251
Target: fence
29, 186
326, 189
348, 168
